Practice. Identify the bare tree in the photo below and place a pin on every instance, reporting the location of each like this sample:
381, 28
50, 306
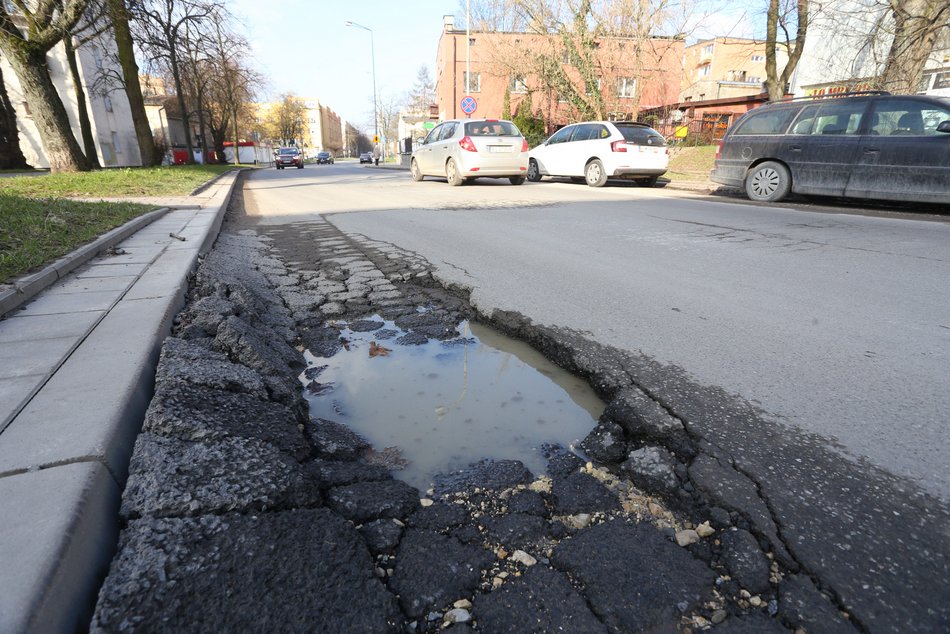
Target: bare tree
161, 26
588, 57
119, 16
787, 16
26, 35
917, 26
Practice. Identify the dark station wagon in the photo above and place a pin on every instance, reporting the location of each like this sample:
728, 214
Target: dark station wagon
862, 145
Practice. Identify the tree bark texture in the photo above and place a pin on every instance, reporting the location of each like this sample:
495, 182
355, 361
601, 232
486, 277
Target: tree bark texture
776, 82
49, 113
119, 16
11, 156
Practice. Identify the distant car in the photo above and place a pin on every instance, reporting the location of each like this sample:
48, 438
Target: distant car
601, 150
366, 157
288, 157
324, 157
466, 149
859, 145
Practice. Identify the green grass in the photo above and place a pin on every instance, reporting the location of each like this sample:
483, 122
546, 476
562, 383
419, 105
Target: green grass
35, 231
177, 180
691, 163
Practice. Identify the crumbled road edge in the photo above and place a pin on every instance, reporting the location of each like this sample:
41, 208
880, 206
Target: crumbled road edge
242, 513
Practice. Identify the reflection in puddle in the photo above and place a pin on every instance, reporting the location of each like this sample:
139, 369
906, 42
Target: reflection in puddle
444, 405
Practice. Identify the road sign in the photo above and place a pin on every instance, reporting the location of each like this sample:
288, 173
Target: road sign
376, 138
468, 104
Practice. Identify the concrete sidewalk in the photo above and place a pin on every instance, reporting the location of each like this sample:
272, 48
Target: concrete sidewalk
77, 363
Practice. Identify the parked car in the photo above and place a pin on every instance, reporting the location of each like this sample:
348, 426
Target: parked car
366, 157
601, 150
861, 145
288, 157
324, 157
462, 150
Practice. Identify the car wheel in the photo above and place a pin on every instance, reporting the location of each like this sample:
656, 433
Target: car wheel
516, 180
534, 172
452, 173
415, 171
768, 182
594, 173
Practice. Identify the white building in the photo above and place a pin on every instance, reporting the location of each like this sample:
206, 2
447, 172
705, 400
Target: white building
109, 112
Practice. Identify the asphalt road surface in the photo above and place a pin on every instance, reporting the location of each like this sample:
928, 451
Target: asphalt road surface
831, 322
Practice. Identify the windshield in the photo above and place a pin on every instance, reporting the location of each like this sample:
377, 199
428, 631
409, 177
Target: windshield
288, 150
491, 128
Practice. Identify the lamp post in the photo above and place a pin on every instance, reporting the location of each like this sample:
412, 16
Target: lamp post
372, 51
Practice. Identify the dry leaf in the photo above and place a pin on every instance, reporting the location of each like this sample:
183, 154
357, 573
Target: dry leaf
376, 350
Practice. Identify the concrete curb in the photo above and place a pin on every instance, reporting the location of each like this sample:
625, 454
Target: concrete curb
200, 188
27, 287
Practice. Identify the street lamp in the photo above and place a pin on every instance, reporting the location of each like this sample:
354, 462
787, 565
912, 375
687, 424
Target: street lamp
372, 51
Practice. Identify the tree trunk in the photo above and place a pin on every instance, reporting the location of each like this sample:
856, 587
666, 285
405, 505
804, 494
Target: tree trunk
85, 127
119, 15
917, 24
180, 93
237, 148
11, 156
49, 113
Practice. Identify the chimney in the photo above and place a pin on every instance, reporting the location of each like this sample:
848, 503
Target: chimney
448, 23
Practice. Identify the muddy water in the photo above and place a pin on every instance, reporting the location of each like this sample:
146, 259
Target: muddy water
446, 405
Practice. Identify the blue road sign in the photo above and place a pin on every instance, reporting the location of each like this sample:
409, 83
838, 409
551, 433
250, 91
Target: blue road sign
468, 104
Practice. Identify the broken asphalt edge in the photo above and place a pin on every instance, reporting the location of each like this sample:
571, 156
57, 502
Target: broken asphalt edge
62, 561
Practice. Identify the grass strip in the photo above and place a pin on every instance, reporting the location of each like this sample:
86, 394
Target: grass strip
178, 180
35, 232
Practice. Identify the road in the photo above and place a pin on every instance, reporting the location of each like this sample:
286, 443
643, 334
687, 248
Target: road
832, 324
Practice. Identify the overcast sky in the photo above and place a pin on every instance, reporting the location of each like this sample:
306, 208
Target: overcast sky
304, 47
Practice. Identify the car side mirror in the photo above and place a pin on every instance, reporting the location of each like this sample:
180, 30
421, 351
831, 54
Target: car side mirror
944, 126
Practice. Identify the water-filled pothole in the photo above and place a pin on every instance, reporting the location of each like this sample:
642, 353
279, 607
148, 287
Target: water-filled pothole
443, 405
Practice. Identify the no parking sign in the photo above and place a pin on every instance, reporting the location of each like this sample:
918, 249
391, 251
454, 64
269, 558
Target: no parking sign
468, 104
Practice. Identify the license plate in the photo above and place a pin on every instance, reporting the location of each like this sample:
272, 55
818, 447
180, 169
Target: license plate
499, 148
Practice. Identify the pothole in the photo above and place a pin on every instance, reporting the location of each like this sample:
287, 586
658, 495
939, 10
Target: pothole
438, 406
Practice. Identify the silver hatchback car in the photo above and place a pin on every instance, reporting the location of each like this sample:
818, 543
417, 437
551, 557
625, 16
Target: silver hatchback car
464, 149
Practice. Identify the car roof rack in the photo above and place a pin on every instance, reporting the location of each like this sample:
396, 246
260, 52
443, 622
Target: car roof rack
856, 93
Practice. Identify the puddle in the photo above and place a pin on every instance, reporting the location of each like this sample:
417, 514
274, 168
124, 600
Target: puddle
444, 405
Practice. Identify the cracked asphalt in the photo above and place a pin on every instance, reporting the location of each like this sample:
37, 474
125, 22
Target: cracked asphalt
698, 509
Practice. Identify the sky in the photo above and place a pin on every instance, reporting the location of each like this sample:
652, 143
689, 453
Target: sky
304, 46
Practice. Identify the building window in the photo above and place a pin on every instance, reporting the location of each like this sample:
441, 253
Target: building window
626, 87
565, 56
704, 70
26, 109
758, 58
517, 85
116, 144
473, 85
598, 85
942, 80
707, 50
471, 41
107, 100
754, 80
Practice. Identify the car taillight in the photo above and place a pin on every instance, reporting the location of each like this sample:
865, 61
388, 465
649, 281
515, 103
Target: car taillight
467, 144
719, 150
618, 146
524, 145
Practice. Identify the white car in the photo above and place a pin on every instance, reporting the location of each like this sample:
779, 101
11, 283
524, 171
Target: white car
465, 149
599, 150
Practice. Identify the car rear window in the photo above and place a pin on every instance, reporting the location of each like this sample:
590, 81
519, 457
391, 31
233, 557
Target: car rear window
491, 128
639, 135
768, 121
